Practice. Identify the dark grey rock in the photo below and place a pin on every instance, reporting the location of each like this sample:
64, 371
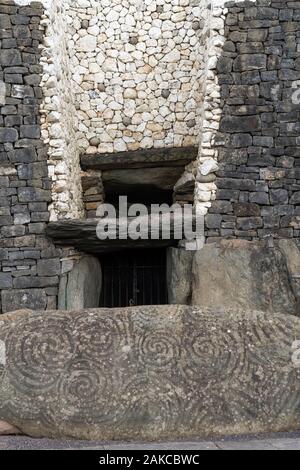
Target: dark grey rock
8, 135
240, 124
33, 194
5, 281
30, 282
240, 140
243, 209
165, 93
30, 132
295, 199
48, 267
279, 196
249, 223
213, 221
259, 197
10, 57
246, 62
24, 155
15, 299
21, 31
5, 22
221, 207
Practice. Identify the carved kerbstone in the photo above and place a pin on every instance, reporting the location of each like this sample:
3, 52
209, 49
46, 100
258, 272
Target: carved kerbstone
149, 373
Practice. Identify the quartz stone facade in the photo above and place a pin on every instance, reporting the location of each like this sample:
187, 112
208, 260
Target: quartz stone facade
135, 67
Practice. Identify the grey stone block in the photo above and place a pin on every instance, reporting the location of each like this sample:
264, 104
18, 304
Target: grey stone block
33, 194
81, 287
279, 196
30, 282
15, 299
30, 132
8, 135
10, 57
240, 124
5, 281
249, 223
212, 353
245, 62
50, 267
23, 155
242, 209
295, 199
259, 197
213, 221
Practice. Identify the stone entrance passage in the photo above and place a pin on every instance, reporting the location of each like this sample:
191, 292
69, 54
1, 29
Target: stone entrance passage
135, 277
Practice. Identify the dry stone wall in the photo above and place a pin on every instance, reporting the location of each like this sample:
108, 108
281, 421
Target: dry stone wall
30, 264
257, 69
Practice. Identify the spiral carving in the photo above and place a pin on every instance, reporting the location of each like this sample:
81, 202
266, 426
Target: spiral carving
38, 351
99, 336
133, 372
158, 349
209, 354
85, 389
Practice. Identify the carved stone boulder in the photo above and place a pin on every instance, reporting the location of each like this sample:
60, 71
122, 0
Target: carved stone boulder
149, 373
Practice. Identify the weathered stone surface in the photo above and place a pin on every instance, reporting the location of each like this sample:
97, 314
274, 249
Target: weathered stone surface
7, 430
179, 276
35, 299
81, 287
116, 181
241, 274
149, 373
8, 135
148, 158
82, 234
29, 268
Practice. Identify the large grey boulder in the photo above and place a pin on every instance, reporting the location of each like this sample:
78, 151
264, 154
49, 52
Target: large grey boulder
246, 275
149, 373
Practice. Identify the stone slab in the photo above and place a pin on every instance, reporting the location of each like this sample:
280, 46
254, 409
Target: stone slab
149, 373
143, 158
179, 276
82, 235
245, 275
81, 287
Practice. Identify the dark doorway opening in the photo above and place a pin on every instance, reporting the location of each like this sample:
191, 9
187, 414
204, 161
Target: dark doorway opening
136, 277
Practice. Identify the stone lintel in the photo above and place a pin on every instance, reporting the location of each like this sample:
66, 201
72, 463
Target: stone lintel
145, 158
81, 234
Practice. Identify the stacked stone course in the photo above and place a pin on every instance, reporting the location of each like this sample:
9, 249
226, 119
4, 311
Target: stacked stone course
29, 262
258, 181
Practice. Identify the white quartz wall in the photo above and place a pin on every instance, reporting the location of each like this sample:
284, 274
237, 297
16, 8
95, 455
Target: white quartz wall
59, 117
127, 74
135, 64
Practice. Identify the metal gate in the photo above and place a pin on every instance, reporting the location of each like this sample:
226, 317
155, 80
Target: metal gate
134, 278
